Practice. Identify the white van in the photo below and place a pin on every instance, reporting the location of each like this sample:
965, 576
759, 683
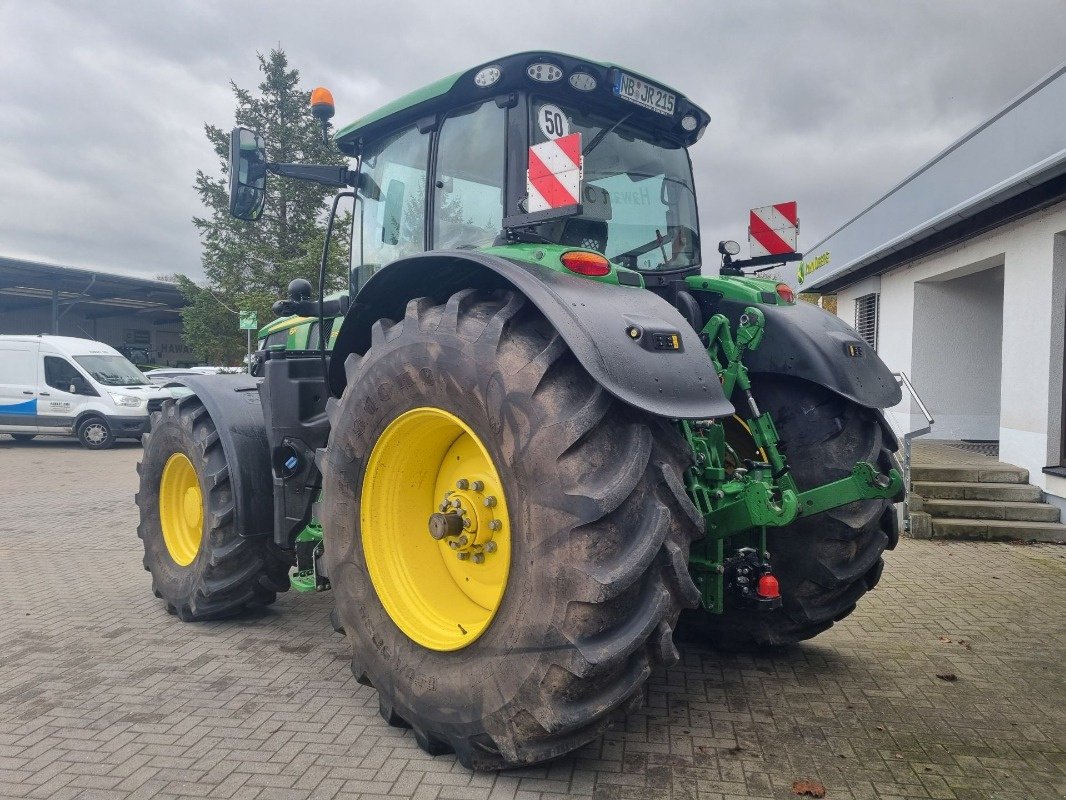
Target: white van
61, 386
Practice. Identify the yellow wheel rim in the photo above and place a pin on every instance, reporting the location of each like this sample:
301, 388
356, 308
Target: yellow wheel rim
435, 530
181, 509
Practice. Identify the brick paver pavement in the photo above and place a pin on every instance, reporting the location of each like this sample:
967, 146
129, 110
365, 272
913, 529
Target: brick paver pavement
103, 695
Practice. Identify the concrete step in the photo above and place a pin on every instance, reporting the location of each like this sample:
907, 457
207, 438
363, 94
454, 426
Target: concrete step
972, 490
999, 530
991, 509
971, 473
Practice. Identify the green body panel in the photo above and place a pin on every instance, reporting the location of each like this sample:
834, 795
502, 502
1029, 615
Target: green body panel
299, 329
550, 256
743, 288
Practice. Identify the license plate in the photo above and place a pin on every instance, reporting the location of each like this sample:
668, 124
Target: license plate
644, 94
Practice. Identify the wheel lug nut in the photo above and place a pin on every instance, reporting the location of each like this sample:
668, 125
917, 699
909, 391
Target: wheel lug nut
443, 506
462, 556
477, 486
457, 503
454, 545
490, 501
464, 540
462, 483
490, 547
479, 558
495, 525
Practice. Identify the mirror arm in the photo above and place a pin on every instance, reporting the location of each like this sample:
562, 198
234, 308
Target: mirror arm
317, 173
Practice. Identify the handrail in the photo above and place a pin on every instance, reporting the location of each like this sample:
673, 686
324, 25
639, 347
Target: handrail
904, 382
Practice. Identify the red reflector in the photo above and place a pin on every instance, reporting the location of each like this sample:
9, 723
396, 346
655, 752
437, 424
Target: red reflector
784, 291
768, 587
584, 262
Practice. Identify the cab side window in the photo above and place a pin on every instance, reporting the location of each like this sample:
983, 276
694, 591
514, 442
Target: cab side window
468, 198
391, 215
60, 374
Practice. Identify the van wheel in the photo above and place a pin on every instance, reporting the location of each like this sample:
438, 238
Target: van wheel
95, 434
24, 437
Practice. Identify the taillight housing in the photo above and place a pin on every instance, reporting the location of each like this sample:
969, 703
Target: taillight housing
784, 291
586, 262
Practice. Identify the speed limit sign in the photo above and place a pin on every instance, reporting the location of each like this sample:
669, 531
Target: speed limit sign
552, 122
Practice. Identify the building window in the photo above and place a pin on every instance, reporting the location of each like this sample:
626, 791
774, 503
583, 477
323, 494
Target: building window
866, 318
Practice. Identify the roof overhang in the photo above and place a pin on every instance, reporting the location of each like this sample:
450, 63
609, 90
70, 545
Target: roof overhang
1008, 166
26, 285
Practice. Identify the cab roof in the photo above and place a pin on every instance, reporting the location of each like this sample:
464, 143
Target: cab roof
425, 104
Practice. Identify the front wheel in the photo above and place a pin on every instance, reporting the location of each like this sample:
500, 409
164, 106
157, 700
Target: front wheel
824, 563
202, 568
507, 543
95, 434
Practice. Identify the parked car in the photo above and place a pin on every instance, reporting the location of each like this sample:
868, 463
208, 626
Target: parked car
62, 386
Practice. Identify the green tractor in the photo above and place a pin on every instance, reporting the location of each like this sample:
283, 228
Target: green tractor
538, 438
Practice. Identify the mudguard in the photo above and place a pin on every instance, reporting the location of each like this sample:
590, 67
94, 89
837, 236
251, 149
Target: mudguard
803, 341
595, 319
235, 408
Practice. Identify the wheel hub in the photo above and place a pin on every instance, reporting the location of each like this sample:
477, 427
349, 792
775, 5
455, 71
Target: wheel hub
466, 521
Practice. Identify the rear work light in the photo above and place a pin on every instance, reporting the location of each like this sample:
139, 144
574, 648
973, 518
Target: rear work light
784, 291
584, 262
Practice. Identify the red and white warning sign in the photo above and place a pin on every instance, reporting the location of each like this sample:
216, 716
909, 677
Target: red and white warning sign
773, 230
554, 176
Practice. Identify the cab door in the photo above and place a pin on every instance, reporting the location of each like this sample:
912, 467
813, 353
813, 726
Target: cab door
57, 404
18, 387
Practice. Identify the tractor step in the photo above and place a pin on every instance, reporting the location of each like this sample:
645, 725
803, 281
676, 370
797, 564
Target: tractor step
999, 530
972, 490
991, 509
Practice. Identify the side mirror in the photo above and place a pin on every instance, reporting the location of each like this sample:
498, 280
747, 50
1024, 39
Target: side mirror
247, 174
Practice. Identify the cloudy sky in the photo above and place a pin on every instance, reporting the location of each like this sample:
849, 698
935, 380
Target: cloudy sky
102, 103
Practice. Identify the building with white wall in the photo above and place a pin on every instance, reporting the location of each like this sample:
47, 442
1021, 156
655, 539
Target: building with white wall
958, 277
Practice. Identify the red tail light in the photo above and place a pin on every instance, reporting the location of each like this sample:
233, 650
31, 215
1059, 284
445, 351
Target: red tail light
784, 291
768, 587
584, 262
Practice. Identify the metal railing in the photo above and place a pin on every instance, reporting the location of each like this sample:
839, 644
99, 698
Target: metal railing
905, 383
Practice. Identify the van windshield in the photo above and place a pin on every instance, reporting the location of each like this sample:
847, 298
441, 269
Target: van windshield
112, 370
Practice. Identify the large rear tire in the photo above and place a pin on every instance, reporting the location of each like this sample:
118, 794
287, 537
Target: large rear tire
202, 568
597, 533
824, 563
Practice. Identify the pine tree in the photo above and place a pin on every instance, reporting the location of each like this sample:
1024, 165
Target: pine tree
248, 265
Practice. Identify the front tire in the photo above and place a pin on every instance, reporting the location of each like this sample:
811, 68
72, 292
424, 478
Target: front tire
95, 434
598, 521
202, 568
827, 562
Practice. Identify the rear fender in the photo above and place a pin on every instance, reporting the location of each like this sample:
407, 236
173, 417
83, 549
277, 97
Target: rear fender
804, 341
235, 408
593, 319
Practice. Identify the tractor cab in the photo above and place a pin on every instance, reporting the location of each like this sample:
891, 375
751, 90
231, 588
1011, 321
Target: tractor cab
536, 147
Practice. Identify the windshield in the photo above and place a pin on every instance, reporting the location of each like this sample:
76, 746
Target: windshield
639, 208
112, 370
